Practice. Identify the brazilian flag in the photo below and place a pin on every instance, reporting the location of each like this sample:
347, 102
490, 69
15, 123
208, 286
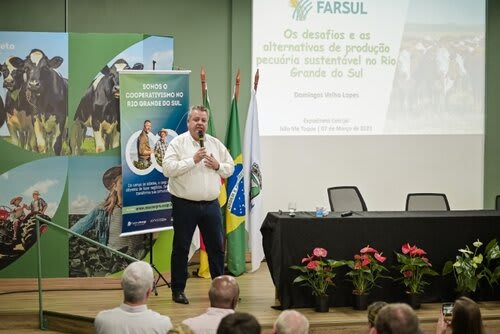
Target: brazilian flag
235, 207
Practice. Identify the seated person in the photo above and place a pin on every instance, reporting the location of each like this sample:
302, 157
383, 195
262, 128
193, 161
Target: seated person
396, 318
465, 319
373, 309
180, 329
133, 315
223, 295
239, 323
291, 322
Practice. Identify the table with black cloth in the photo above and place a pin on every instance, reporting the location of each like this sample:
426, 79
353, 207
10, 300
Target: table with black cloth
441, 234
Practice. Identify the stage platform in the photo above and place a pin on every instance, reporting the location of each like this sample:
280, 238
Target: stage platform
71, 304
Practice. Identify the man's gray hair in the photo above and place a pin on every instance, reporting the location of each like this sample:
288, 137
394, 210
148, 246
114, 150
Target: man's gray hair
397, 318
198, 108
137, 279
291, 321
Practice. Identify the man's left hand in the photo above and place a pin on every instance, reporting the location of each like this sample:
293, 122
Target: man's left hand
211, 162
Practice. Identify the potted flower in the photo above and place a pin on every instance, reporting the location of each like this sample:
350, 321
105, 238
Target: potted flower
492, 269
317, 272
469, 267
365, 270
414, 265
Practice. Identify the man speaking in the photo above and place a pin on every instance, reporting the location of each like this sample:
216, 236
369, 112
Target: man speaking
194, 163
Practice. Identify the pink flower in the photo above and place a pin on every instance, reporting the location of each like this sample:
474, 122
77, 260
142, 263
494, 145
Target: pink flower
313, 265
307, 259
357, 257
379, 257
406, 248
366, 261
320, 252
417, 251
368, 249
357, 265
408, 274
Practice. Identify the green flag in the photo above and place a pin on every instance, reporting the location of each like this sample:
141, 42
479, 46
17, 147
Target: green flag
235, 208
206, 104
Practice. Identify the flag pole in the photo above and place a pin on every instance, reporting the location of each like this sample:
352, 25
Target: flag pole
203, 75
237, 86
256, 80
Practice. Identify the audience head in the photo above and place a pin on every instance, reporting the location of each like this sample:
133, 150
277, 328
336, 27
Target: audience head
239, 323
224, 292
396, 319
373, 309
291, 322
466, 317
181, 329
137, 282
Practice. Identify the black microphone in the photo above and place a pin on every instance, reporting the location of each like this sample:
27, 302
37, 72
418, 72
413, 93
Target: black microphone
201, 138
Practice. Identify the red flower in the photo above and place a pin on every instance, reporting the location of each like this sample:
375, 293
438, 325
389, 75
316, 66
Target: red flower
313, 265
368, 249
366, 261
379, 257
307, 259
408, 273
320, 252
406, 248
417, 251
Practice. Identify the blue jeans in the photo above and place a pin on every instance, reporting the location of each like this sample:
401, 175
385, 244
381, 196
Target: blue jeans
187, 215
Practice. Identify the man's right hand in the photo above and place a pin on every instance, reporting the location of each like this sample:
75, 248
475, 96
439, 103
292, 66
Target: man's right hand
199, 155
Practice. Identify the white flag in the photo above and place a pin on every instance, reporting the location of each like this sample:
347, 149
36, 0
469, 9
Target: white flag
253, 183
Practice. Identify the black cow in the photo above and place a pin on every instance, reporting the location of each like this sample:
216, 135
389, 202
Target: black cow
99, 108
3, 114
18, 112
47, 92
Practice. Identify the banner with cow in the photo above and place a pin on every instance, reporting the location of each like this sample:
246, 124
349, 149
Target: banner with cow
60, 97
154, 107
34, 67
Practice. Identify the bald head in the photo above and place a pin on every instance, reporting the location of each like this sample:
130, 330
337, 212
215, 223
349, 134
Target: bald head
291, 321
224, 292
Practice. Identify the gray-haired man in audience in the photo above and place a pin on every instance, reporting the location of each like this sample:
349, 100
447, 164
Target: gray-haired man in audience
133, 315
291, 322
396, 318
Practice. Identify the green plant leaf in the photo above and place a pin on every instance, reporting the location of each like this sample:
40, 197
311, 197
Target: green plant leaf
448, 267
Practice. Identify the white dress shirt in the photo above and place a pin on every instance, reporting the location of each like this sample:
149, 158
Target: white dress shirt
127, 319
191, 181
208, 322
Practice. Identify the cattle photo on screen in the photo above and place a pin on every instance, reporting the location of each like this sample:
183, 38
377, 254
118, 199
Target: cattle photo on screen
99, 110
34, 69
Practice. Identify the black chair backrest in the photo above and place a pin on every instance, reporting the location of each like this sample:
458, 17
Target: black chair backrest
427, 202
346, 198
